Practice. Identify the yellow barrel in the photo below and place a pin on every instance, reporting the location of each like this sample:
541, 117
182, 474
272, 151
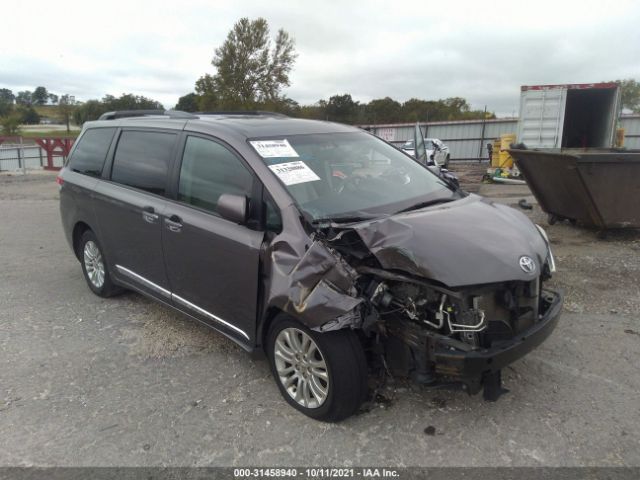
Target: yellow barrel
620, 137
495, 153
505, 143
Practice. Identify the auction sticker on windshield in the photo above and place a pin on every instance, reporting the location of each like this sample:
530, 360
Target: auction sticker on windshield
274, 148
292, 173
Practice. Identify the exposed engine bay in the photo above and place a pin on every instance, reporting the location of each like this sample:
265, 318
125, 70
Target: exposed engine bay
410, 317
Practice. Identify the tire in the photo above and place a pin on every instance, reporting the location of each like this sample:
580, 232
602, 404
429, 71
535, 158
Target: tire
94, 266
344, 362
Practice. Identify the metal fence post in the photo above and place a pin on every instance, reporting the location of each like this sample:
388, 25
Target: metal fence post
24, 161
18, 154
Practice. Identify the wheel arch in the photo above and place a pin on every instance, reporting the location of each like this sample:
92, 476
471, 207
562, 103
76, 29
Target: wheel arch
263, 328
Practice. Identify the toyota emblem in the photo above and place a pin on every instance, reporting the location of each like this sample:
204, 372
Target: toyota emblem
527, 264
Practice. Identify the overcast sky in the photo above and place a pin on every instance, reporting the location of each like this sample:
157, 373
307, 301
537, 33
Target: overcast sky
480, 50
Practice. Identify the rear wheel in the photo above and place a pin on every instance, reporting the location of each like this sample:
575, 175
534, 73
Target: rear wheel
323, 375
94, 266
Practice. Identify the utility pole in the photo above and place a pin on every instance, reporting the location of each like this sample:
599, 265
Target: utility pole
484, 120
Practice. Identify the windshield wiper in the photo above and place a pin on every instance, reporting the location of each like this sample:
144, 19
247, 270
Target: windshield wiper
429, 203
351, 219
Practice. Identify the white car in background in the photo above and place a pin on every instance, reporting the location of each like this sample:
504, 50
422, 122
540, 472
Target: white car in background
437, 151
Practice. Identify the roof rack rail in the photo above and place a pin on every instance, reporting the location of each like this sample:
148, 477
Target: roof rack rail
144, 113
243, 112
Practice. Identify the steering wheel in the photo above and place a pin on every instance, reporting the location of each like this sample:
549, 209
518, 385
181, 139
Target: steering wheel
340, 183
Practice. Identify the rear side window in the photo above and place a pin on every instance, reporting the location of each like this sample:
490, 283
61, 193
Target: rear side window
142, 160
208, 170
89, 156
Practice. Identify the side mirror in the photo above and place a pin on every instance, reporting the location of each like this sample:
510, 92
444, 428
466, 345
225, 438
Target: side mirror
232, 207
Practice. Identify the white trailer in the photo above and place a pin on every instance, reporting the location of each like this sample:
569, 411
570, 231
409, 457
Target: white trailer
580, 115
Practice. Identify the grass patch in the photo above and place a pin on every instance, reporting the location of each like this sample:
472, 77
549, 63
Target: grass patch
49, 133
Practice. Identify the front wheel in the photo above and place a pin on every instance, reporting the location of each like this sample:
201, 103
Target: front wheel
323, 375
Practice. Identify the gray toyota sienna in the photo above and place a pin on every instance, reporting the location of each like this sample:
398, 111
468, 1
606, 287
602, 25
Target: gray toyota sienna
338, 255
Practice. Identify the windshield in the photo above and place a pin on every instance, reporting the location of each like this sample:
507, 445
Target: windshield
350, 176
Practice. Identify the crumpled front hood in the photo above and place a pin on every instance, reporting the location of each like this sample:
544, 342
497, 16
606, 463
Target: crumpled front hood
467, 242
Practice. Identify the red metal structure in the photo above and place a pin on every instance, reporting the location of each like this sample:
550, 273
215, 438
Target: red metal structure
55, 146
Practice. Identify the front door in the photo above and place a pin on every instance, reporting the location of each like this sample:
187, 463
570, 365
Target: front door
212, 263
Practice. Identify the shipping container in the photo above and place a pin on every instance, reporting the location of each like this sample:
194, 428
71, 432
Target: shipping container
581, 115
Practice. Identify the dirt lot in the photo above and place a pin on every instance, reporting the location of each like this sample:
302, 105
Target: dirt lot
124, 381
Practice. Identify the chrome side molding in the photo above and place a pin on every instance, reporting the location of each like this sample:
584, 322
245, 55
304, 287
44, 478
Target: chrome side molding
210, 315
148, 283
182, 301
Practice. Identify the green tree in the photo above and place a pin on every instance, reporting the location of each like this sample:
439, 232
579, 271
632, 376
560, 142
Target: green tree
5, 108
6, 95
342, 108
10, 124
88, 111
40, 96
92, 109
417, 110
383, 110
129, 101
630, 94
314, 112
208, 99
28, 115
188, 103
6, 101
456, 105
53, 98
454, 108
24, 97
66, 107
249, 69
283, 105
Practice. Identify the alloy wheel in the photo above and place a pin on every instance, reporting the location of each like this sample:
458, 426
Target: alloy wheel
301, 368
94, 264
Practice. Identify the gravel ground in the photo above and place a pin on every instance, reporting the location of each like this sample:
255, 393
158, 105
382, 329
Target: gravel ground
101, 382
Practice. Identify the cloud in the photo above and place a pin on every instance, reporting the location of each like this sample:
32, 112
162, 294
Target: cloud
482, 51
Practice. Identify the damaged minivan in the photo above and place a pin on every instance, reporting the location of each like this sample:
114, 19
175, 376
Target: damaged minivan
339, 256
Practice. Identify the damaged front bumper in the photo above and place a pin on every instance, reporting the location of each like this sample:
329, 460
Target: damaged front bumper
474, 367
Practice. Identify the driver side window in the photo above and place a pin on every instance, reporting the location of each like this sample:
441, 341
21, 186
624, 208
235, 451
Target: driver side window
208, 170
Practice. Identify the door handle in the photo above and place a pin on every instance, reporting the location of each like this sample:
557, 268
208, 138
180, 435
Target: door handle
149, 215
173, 223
